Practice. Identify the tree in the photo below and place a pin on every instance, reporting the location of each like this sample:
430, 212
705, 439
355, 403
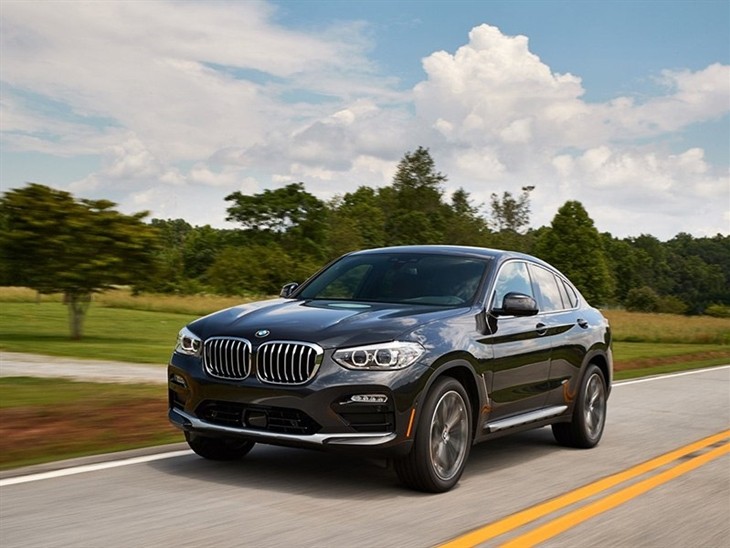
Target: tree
464, 224
510, 213
290, 216
260, 269
55, 243
414, 210
696, 282
701, 269
654, 264
357, 221
573, 245
642, 299
627, 264
170, 266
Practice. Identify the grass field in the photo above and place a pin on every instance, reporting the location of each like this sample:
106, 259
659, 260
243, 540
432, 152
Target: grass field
43, 420
668, 328
143, 329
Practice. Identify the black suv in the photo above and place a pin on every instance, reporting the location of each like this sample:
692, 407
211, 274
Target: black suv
411, 353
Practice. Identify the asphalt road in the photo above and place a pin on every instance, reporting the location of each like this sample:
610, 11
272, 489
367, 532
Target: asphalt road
287, 497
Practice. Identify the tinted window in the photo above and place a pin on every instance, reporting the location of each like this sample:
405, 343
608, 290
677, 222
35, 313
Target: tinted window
409, 278
572, 297
345, 285
563, 293
513, 278
549, 290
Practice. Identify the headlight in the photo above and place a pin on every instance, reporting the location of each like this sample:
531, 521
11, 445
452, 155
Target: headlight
188, 343
381, 357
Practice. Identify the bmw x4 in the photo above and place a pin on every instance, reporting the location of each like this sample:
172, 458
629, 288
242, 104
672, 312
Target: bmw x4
408, 353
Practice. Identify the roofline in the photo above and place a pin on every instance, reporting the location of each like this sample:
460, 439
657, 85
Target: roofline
470, 251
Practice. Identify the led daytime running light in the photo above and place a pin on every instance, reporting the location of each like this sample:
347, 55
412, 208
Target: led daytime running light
385, 356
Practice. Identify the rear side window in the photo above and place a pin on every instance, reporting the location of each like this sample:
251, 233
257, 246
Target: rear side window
547, 283
572, 298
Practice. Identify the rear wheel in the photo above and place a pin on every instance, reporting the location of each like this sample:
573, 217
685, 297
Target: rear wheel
443, 440
218, 448
589, 414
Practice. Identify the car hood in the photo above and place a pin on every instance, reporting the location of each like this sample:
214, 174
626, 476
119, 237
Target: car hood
327, 323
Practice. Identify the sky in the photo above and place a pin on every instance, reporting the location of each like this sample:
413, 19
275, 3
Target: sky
170, 106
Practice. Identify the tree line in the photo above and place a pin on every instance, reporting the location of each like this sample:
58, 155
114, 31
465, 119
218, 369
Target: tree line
53, 242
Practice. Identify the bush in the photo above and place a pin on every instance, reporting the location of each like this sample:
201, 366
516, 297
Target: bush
256, 269
718, 311
642, 299
669, 304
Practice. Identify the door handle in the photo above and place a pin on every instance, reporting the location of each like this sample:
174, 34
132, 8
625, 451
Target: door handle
541, 329
581, 322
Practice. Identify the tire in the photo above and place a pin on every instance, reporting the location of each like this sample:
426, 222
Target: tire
443, 440
589, 414
218, 448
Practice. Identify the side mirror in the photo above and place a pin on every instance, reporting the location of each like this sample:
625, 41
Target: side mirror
288, 289
517, 304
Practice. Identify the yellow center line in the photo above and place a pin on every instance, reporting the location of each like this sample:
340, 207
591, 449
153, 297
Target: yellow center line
571, 519
524, 517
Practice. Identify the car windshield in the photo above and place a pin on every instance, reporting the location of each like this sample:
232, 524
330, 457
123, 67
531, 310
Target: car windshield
437, 280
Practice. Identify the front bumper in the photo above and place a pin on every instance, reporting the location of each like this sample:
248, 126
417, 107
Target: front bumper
190, 423
319, 414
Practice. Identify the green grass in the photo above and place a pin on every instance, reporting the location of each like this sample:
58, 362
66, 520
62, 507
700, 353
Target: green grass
635, 359
43, 420
198, 305
668, 328
32, 391
630, 351
668, 368
109, 334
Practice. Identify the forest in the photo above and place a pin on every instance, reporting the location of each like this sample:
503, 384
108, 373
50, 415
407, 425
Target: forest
287, 234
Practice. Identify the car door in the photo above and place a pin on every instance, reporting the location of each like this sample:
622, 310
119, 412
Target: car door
566, 331
519, 369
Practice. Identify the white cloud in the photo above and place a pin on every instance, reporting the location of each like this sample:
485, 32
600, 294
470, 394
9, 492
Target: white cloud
188, 78
186, 102
494, 89
507, 120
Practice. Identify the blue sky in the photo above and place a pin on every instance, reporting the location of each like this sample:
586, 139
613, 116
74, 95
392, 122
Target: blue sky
171, 106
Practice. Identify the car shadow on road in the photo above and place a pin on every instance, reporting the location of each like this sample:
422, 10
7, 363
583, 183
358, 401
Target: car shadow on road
332, 475
294, 471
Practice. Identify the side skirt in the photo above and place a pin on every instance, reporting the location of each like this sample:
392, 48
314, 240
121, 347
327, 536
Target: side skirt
533, 416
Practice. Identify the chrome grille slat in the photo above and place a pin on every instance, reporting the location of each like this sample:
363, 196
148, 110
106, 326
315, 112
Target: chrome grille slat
287, 362
277, 362
227, 357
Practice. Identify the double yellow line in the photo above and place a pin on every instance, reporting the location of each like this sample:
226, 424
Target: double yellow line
581, 514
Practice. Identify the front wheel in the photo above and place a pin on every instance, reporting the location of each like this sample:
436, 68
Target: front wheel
218, 448
589, 414
443, 440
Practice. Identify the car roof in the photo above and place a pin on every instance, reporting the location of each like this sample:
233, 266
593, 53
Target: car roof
499, 255
460, 250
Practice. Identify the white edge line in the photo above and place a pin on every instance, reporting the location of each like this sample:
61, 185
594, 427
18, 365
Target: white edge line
92, 468
670, 375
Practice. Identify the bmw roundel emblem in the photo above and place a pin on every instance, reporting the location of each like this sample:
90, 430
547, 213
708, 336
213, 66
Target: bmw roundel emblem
261, 333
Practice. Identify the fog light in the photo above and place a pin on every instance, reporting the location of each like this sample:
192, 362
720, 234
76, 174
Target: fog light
179, 380
368, 398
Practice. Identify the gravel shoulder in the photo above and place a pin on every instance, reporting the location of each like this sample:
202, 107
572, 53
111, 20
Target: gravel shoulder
16, 364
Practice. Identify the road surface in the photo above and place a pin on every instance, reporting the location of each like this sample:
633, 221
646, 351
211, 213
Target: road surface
288, 497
